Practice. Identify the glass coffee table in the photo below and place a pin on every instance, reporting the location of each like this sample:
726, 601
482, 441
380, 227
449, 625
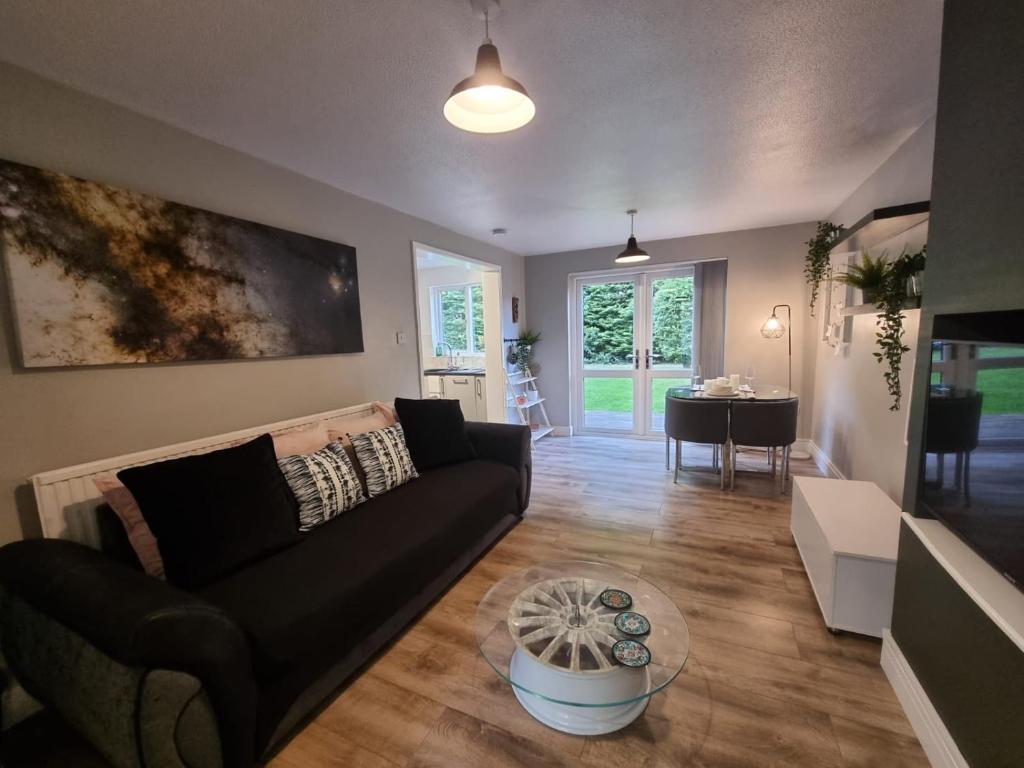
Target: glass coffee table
553, 632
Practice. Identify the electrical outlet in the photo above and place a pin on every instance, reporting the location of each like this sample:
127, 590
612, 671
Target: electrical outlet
400, 337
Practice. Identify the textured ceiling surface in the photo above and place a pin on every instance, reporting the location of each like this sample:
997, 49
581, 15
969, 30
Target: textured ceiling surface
707, 115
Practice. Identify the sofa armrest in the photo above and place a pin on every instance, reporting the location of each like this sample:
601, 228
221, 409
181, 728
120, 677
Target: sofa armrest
508, 444
140, 621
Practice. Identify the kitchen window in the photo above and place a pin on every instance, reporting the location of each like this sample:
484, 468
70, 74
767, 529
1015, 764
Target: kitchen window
457, 314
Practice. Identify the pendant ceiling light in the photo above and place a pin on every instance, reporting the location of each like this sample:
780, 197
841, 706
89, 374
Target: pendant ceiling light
633, 252
489, 101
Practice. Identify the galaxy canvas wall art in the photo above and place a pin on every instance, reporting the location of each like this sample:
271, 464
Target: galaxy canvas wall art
100, 275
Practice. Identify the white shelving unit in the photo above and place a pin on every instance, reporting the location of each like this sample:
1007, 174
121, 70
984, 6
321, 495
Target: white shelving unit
524, 384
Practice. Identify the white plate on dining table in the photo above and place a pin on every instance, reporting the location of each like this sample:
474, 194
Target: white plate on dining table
731, 393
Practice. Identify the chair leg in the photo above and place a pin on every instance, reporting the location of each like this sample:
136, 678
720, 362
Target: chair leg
714, 457
958, 470
679, 461
721, 471
785, 467
667, 440
732, 466
941, 462
967, 477
772, 459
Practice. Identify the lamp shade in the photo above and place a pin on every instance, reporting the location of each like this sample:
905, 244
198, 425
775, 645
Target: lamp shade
632, 254
773, 328
488, 101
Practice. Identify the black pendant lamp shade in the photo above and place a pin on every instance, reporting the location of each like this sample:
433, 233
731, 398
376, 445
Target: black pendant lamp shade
633, 252
489, 101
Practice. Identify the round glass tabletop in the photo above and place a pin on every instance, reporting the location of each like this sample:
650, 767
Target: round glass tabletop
757, 392
547, 631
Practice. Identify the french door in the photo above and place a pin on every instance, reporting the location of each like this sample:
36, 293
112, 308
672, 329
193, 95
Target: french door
632, 338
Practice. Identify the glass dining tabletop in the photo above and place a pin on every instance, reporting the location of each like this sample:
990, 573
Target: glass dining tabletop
757, 392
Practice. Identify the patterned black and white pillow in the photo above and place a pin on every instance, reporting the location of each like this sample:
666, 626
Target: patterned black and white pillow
384, 458
324, 483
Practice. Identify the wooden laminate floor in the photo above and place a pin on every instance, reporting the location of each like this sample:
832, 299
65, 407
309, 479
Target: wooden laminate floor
765, 684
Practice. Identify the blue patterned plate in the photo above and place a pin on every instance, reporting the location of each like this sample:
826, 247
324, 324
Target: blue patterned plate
616, 599
630, 623
631, 653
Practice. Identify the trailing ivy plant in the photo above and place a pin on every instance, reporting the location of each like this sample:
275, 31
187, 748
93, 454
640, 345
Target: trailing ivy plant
817, 263
890, 299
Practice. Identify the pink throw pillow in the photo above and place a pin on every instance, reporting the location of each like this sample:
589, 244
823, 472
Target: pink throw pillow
340, 428
127, 509
302, 441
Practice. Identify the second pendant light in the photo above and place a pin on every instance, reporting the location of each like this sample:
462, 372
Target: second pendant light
633, 252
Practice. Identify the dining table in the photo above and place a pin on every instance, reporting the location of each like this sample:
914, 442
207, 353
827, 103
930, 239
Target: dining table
744, 392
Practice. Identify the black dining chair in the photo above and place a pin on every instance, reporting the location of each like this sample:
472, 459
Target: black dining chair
696, 421
763, 424
953, 426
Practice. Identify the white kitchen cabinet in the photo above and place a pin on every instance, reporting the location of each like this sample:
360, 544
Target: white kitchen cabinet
480, 390
463, 389
470, 391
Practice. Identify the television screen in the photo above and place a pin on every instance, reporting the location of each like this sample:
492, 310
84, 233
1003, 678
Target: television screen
973, 462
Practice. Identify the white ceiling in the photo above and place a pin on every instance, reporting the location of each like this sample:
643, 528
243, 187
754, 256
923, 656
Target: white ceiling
707, 115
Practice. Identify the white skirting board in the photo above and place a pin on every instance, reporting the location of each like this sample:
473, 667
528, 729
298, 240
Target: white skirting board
822, 460
938, 745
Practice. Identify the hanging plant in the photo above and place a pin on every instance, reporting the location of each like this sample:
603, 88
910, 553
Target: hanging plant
527, 340
891, 298
817, 262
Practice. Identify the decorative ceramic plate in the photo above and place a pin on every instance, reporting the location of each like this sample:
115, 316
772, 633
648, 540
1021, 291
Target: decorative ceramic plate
630, 623
616, 599
631, 653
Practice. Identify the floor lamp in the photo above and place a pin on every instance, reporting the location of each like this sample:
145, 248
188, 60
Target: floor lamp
774, 328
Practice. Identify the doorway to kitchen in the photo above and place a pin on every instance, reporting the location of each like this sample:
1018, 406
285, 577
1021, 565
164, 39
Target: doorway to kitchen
633, 336
459, 331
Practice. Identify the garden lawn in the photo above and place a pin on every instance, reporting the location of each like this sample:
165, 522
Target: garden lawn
616, 395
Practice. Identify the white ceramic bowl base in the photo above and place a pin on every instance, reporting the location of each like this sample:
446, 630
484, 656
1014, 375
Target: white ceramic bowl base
617, 684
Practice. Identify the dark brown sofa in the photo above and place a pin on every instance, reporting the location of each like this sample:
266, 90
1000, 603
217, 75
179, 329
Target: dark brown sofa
244, 661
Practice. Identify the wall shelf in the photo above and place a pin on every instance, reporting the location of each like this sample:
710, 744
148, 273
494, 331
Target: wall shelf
880, 225
911, 302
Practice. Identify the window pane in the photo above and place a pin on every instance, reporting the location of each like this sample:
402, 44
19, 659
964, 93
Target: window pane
608, 325
672, 315
658, 389
453, 317
477, 299
608, 403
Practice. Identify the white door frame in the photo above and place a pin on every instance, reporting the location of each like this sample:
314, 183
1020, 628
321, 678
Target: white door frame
494, 358
641, 373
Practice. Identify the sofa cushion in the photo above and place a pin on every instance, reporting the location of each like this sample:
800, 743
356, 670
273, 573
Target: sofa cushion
216, 511
305, 607
435, 431
299, 442
141, 538
384, 458
324, 483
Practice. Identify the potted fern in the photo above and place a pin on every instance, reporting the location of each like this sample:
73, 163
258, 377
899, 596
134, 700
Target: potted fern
869, 275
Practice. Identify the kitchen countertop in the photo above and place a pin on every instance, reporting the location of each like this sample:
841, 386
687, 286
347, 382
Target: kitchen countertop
454, 372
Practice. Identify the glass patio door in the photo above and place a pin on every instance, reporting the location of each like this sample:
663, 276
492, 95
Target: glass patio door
608, 362
632, 340
669, 331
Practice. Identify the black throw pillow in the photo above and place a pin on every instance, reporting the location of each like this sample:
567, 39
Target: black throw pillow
435, 432
214, 512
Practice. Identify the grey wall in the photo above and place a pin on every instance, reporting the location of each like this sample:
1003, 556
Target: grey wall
50, 419
904, 177
765, 268
975, 263
852, 424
